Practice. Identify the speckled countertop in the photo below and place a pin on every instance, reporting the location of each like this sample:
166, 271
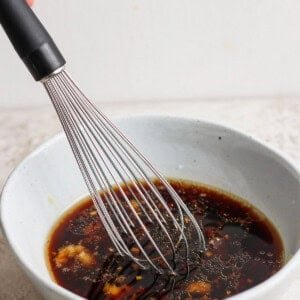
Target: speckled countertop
274, 120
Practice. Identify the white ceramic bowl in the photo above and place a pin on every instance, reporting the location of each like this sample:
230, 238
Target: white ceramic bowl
47, 182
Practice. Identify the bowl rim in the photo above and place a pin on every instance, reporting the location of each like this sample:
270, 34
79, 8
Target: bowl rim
249, 293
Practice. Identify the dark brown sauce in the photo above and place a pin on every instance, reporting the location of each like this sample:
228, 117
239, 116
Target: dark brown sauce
243, 249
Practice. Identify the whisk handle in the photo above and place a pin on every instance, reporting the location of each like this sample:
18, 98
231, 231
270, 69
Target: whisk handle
30, 39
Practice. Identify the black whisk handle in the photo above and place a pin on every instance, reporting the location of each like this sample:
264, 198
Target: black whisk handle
30, 39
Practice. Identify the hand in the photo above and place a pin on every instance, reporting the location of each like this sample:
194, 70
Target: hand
30, 2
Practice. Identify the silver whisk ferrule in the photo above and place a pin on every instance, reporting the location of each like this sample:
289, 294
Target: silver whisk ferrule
128, 192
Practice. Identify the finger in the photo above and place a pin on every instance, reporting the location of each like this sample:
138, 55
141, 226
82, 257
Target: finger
30, 2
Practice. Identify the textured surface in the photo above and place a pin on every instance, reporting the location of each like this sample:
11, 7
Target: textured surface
275, 121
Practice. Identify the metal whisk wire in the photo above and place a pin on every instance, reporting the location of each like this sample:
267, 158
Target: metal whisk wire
107, 159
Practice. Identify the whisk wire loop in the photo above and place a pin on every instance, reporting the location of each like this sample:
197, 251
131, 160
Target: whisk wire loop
133, 211
130, 204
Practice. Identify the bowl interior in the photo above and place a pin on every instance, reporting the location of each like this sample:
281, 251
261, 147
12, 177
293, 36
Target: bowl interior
48, 181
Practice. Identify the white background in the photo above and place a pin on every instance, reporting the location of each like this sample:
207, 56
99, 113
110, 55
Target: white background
166, 49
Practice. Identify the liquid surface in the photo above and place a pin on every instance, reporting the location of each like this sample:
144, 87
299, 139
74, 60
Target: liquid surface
243, 249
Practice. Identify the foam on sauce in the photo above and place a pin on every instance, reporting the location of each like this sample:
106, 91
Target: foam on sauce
243, 249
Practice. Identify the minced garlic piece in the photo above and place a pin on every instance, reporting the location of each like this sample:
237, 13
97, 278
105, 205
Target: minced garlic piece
135, 204
187, 220
111, 289
75, 252
199, 287
135, 250
208, 253
93, 213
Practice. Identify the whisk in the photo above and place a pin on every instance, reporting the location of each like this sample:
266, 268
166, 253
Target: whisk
144, 217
